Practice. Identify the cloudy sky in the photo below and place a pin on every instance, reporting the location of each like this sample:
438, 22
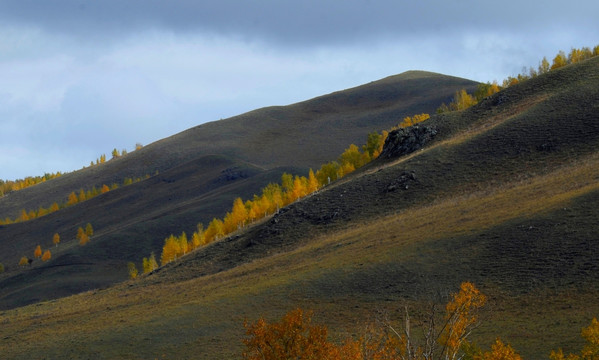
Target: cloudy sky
81, 77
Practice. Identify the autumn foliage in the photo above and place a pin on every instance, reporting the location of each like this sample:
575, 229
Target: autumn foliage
47, 255
295, 337
462, 100
590, 351
72, 199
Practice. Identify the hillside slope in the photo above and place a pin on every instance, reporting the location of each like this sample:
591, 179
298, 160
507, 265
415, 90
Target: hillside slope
504, 195
200, 172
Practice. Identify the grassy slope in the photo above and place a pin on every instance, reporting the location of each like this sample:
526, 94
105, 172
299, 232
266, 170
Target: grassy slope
193, 185
302, 135
505, 197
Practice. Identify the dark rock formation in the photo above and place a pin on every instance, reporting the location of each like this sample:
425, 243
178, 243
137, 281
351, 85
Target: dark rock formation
406, 140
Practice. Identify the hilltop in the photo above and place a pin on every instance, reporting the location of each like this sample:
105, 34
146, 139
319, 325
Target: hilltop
504, 195
194, 176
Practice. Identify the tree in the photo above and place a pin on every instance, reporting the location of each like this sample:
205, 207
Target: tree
590, 351
38, 252
89, 230
411, 121
486, 90
104, 189
82, 197
461, 315
313, 184
327, 173
80, 233
198, 238
54, 207
23, 216
500, 351
24, 261
132, 270
138, 146
372, 144
83, 239
150, 264
462, 100
214, 230
115, 153
559, 61
169, 250
294, 337
72, 199
47, 255
55, 239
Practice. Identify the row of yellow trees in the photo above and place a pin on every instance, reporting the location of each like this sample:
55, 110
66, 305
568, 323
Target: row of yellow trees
14, 185
7, 186
295, 337
462, 100
272, 198
72, 199
82, 235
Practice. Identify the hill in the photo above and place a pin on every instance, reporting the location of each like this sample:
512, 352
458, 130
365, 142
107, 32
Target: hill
504, 195
196, 175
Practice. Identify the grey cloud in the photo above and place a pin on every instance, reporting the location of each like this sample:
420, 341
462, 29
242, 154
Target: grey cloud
294, 22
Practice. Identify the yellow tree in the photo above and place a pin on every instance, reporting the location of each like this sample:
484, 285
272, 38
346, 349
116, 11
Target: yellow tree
590, 351
54, 207
83, 239
104, 189
544, 66
501, 351
72, 199
80, 233
56, 239
312, 182
327, 173
462, 100
23, 216
38, 252
214, 230
82, 197
294, 337
169, 250
198, 238
353, 156
24, 261
559, 61
89, 230
132, 270
150, 264
47, 255
183, 246
461, 316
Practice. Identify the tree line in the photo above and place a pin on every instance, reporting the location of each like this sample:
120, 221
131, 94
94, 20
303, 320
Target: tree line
273, 197
462, 100
7, 186
72, 199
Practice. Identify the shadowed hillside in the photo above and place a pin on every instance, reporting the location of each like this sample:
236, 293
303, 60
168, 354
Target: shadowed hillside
200, 172
504, 195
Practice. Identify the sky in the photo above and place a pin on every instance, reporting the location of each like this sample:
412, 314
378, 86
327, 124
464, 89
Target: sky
79, 78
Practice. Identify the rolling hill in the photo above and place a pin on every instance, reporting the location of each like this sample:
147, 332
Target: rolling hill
196, 175
504, 195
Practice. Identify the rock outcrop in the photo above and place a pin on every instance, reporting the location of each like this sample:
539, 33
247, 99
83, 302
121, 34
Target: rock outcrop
407, 140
